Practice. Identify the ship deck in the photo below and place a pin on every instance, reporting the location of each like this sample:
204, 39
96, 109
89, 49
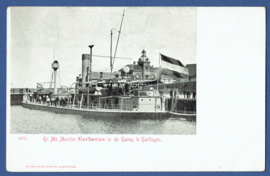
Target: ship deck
109, 113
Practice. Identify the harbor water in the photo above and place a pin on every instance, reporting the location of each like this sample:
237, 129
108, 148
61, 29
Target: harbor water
27, 121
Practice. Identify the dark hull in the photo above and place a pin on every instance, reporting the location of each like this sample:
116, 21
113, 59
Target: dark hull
16, 99
109, 113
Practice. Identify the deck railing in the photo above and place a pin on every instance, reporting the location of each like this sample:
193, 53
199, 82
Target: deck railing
102, 106
105, 106
78, 106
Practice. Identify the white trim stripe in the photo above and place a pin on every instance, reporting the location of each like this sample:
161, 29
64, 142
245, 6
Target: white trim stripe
173, 67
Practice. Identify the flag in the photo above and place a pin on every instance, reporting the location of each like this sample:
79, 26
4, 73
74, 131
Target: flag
171, 66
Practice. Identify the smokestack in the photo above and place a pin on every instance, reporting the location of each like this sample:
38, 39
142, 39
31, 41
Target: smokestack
85, 68
90, 73
55, 66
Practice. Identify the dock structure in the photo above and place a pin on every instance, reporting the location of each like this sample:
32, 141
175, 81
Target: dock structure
17, 95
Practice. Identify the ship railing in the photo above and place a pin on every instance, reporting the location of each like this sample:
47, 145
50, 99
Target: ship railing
85, 107
109, 106
50, 103
105, 106
70, 105
126, 107
96, 106
184, 112
102, 106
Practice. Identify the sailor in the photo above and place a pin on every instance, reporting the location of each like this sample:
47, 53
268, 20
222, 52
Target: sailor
39, 100
48, 100
56, 101
30, 96
134, 108
171, 93
185, 93
52, 100
188, 94
61, 102
194, 94
66, 101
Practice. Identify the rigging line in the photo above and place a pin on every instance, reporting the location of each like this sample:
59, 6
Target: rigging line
114, 37
116, 31
69, 80
119, 43
123, 49
51, 72
102, 41
105, 69
60, 77
118, 38
123, 46
109, 57
134, 41
117, 23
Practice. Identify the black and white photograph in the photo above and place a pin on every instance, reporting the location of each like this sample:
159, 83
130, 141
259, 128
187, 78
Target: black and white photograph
103, 70
115, 89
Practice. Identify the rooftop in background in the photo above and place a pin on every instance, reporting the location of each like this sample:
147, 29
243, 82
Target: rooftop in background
105, 75
192, 68
132, 67
21, 90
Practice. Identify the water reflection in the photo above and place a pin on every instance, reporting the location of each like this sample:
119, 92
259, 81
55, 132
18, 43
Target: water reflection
26, 121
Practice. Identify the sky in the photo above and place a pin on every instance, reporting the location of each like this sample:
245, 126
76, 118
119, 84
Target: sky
38, 35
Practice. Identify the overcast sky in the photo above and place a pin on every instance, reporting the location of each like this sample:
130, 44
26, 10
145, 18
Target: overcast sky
36, 32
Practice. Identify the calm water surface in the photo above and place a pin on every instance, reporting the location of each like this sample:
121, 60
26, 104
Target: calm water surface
26, 121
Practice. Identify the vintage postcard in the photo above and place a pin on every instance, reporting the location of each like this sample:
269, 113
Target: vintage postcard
135, 89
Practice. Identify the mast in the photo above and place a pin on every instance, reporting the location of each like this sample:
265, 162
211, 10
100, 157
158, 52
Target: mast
111, 55
118, 38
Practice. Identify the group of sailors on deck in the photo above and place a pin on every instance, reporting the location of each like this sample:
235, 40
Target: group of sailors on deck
56, 101
187, 94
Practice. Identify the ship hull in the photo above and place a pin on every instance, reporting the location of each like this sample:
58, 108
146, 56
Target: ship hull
89, 113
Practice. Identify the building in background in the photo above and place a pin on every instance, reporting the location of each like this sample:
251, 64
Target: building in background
140, 71
192, 68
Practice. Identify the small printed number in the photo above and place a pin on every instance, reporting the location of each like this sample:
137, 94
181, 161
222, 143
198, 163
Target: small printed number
22, 138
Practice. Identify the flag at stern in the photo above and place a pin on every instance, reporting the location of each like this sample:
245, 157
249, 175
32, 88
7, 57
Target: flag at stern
171, 66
